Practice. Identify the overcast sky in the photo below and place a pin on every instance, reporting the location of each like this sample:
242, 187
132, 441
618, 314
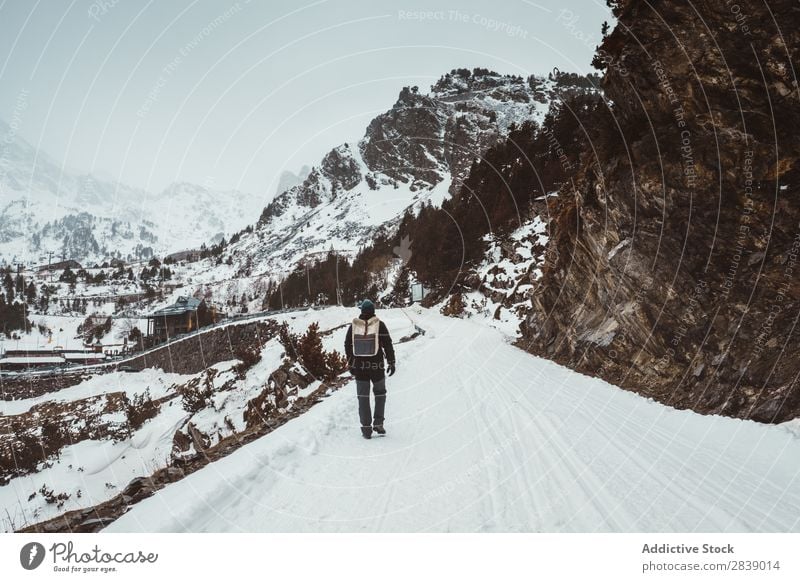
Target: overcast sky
228, 94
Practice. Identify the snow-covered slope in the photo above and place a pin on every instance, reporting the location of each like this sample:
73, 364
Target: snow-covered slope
45, 207
484, 437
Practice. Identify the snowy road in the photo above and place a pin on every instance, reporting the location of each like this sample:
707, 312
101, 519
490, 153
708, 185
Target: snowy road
484, 437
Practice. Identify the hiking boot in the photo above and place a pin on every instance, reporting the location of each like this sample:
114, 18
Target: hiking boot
366, 433
379, 429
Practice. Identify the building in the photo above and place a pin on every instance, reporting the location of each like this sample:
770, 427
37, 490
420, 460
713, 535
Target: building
187, 255
60, 266
22, 363
185, 315
84, 357
23, 360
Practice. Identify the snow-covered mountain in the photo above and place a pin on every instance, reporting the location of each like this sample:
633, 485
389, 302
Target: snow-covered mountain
418, 151
46, 208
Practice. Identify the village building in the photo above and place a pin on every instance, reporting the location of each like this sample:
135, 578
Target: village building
84, 357
24, 360
60, 266
22, 363
188, 255
185, 315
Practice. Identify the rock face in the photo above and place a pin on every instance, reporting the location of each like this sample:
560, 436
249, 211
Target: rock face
674, 265
405, 143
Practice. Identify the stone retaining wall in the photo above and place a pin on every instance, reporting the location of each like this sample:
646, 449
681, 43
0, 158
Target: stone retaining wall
198, 352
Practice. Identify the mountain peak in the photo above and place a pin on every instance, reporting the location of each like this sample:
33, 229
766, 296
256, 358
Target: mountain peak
411, 97
419, 150
463, 81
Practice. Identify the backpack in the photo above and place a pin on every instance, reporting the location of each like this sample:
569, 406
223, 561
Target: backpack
366, 337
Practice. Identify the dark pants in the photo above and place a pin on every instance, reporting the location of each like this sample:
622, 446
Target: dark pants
364, 411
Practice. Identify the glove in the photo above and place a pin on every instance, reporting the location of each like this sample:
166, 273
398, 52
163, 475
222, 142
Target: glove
390, 369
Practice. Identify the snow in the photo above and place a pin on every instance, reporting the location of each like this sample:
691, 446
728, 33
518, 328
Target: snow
131, 384
94, 471
793, 426
502, 275
61, 329
491, 313
485, 437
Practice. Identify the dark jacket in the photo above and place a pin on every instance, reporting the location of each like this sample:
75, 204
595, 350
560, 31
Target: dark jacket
369, 367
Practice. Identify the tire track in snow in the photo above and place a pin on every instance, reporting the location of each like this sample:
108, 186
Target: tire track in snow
490, 386
399, 475
483, 425
677, 484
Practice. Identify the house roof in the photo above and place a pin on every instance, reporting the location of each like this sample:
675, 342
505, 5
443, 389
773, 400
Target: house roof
181, 306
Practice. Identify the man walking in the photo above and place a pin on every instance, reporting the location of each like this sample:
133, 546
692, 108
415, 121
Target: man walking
366, 343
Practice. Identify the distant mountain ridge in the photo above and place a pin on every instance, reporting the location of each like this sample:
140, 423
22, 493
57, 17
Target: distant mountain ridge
46, 209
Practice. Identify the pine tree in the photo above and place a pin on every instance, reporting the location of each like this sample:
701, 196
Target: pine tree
30, 292
68, 276
310, 352
8, 284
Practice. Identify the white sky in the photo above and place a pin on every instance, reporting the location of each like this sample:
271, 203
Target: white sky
228, 94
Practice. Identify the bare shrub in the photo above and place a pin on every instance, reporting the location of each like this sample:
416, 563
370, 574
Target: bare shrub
249, 356
140, 409
197, 393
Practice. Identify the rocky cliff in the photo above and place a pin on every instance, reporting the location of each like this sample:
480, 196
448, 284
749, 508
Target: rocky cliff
674, 268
